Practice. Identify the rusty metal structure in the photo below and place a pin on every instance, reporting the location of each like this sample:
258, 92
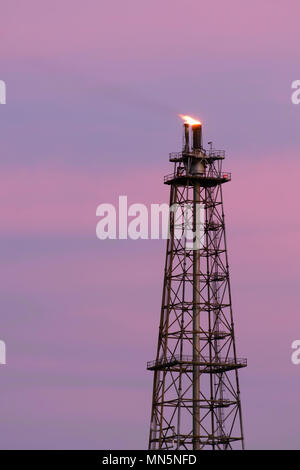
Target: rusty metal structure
196, 397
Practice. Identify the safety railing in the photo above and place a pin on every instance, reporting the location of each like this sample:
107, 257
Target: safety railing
202, 360
212, 153
210, 175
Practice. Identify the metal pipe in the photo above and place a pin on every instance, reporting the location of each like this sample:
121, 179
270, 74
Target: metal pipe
197, 136
196, 317
186, 147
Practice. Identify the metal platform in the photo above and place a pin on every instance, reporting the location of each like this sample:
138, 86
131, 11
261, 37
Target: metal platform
210, 155
206, 364
206, 180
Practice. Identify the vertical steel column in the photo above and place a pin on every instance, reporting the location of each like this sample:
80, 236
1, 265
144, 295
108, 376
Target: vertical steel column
196, 317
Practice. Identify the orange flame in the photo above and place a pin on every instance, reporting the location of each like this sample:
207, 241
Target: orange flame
189, 120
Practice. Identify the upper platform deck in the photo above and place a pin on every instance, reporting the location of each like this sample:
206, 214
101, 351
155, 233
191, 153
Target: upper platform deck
206, 179
210, 155
197, 166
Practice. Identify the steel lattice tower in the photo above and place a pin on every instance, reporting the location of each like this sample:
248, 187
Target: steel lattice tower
196, 396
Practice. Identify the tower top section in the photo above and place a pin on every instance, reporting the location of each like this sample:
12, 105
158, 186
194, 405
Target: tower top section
195, 162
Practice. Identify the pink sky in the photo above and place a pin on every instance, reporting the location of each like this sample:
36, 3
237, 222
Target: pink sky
93, 92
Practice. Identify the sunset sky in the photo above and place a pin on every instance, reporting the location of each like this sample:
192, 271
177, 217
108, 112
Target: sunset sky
94, 90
